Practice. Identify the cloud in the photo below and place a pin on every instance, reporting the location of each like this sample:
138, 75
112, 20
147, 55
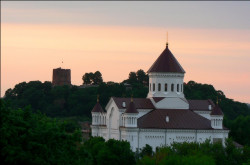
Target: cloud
150, 14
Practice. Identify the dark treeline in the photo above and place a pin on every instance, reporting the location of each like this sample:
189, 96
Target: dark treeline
65, 101
33, 138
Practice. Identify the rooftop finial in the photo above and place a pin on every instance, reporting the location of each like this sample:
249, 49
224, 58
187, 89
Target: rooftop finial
97, 98
167, 40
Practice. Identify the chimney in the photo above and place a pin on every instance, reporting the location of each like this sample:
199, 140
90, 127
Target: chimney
123, 104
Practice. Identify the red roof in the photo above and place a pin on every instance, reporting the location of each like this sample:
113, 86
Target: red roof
201, 105
166, 62
140, 103
178, 119
216, 111
131, 108
97, 108
157, 99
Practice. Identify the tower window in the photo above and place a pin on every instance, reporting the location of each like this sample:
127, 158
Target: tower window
153, 86
159, 87
172, 87
177, 87
166, 87
181, 88
149, 86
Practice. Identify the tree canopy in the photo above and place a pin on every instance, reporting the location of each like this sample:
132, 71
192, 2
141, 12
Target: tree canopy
92, 78
33, 138
198, 153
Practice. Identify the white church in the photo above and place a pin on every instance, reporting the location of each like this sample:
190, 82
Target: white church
162, 118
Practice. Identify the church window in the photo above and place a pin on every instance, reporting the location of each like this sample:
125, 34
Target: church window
153, 86
172, 87
181, 87
149, 86
159, 87
166, 87
177, 87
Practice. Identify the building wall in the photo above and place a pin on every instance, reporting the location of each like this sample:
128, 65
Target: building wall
169, 78
172, 103
162, 137
113, 121
138, 138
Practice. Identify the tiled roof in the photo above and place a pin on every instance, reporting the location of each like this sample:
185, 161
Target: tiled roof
97, 108
157, 99
178, 119
166, 62
140, 103
131, 108
201, 105
216, 111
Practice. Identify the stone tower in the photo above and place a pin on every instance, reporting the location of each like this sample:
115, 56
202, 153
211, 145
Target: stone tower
61, 76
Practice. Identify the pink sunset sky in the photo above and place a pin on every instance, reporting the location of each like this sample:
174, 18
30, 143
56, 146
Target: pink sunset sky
211, 42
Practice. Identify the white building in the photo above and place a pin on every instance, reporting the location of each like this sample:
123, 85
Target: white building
165, 116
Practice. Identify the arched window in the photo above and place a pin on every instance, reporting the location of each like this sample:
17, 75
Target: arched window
153, 86
149, 86
172, 87
177, 87
159, 87
181, 88
166, 87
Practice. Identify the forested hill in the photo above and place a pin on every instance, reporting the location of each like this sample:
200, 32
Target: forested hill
71, 101
65, 101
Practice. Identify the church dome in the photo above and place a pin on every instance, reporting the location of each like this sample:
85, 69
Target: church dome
97, 108
131, 108
166, 62
217, 111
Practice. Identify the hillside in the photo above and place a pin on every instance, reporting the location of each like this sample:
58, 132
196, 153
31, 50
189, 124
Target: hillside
65, 101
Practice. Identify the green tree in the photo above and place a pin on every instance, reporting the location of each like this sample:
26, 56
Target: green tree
146, 151
87, 78
110, 152
142, 77
115, 152
97, 78
132, 78
28, 138
240, 129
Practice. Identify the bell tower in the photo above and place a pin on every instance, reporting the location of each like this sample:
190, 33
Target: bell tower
166, 80
166, 76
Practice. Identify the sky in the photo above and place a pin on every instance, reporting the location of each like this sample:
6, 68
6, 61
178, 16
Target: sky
211, 40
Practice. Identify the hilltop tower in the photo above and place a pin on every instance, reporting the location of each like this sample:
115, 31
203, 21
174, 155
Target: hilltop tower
61, 76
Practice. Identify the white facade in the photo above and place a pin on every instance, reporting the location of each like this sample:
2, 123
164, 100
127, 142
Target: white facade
166, 85
121, 126
165, 92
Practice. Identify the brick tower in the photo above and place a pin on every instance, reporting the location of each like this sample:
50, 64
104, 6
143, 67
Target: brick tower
61, 76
